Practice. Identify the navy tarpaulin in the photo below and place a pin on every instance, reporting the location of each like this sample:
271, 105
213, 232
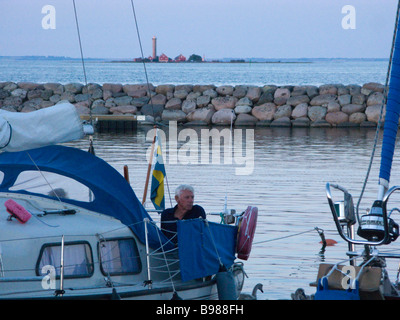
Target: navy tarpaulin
113, 195
201, 243
324, 293
392, 114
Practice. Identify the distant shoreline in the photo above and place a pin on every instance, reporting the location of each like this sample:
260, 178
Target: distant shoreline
212, 60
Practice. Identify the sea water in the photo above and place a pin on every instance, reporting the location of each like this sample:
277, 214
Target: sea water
309, 72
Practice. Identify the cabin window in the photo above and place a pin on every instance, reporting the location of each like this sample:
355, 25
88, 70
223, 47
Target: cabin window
53, 185
78, 259
119, 257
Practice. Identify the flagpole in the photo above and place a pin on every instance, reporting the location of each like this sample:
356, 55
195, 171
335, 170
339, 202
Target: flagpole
149, 167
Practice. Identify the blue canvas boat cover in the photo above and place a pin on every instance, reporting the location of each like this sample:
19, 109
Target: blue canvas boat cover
113, 195
202, 245
392, 115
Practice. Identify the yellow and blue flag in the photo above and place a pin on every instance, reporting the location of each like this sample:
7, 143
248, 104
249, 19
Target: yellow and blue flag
157, 180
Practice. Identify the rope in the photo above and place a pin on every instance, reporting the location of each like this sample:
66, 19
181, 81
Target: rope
289, 236
381, 111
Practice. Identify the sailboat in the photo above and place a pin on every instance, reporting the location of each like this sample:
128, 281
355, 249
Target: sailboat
376, 229
73, 228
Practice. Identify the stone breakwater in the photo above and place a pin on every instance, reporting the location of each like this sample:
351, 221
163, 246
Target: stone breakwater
330, 105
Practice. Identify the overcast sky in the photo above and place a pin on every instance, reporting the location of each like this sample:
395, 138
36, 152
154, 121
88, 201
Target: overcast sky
210, 28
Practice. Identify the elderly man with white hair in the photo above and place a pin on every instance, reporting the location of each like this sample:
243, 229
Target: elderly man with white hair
184, 209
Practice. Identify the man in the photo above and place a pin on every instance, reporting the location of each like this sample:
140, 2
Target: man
184, 196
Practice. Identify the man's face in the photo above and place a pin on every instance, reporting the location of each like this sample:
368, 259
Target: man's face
185, 200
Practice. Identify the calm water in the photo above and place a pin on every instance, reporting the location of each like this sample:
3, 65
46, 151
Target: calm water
315, 73
291, 168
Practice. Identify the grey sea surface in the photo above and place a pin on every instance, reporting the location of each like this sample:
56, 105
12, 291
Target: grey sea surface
296, 72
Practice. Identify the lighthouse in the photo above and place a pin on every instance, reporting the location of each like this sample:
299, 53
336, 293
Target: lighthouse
154, 47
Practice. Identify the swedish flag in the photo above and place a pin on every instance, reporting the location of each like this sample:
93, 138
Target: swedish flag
157, 180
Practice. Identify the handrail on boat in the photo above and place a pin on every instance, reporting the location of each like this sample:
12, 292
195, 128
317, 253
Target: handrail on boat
339, 226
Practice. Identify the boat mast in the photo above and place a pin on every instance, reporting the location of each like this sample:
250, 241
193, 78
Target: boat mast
392, 112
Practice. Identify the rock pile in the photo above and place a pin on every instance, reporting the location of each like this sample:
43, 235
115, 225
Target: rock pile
330, 105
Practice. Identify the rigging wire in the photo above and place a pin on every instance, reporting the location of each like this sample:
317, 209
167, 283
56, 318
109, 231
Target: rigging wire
142, 55
91, 148
385, 91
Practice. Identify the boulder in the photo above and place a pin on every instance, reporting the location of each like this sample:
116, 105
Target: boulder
201, 114
73, 87
113, 87
242, 109
375, 98
333, 106
281, 96
203, 101
245, 120
193, 95
265, 111
303, 122
100, 110
295, 100
211, 93
312, 91
244, 102
202, 87
154, 110
281, 122
323, 99
253, 93
173, 115
337, 117
21, 93
358, 117
134, 90
57, 88
227, 102
224, 90
28, 85
158, 99
165, 88
373, 113
300, 111
123, 109
299, 91
123, 101
188, 106
316, 113
353, 108
240, 92
283, 111
344, 99
223, 117
374, 87
266, 97
328, 89
358, 98
181, 94
354, 89
174, 104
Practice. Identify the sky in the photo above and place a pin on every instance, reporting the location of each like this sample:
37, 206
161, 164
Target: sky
273, 29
